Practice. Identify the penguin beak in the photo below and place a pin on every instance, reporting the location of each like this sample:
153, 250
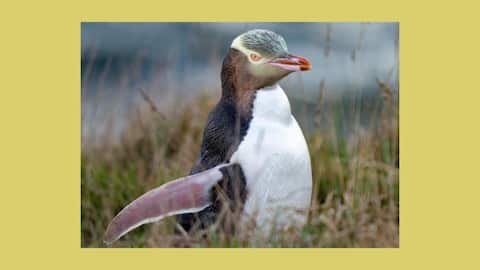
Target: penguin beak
291, 63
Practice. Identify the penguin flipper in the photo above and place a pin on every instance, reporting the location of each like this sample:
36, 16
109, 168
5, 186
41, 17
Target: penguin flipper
188, 194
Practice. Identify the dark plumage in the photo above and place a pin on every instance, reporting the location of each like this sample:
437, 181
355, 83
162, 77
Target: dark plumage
227, 124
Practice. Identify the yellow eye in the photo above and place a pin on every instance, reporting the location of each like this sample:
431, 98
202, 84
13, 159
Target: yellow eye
255, 57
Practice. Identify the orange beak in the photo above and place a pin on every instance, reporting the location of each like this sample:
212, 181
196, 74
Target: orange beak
292, 63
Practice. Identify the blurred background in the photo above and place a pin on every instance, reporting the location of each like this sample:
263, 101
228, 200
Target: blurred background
147, 88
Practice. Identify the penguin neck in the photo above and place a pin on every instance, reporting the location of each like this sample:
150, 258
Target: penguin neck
242, 99
269, 103
236, 91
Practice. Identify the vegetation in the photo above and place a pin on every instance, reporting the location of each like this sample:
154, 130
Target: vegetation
354, 149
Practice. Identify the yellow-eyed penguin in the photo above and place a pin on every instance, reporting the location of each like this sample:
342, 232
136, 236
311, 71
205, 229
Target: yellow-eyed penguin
254, 158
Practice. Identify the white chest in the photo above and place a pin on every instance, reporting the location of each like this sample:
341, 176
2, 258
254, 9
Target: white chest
276, 163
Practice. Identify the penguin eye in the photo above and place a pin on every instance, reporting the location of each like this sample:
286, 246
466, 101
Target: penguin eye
255, 57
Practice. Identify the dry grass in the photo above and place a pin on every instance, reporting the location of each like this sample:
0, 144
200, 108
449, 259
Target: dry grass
355, 202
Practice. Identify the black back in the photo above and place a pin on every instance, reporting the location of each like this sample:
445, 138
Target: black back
224, 130
227, 124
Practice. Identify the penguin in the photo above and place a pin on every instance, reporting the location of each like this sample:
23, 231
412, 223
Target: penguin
253, 161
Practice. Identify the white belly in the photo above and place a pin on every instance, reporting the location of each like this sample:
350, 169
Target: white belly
276, 163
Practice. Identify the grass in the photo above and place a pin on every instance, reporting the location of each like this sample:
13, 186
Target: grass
356, 183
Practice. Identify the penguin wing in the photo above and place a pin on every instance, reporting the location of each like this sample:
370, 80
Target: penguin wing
184, 195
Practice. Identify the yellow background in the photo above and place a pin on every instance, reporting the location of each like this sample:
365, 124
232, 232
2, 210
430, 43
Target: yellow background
40, 135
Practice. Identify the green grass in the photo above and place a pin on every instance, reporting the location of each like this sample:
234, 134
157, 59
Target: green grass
356, 187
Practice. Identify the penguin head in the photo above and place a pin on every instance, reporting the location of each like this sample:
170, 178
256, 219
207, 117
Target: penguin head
261, 59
